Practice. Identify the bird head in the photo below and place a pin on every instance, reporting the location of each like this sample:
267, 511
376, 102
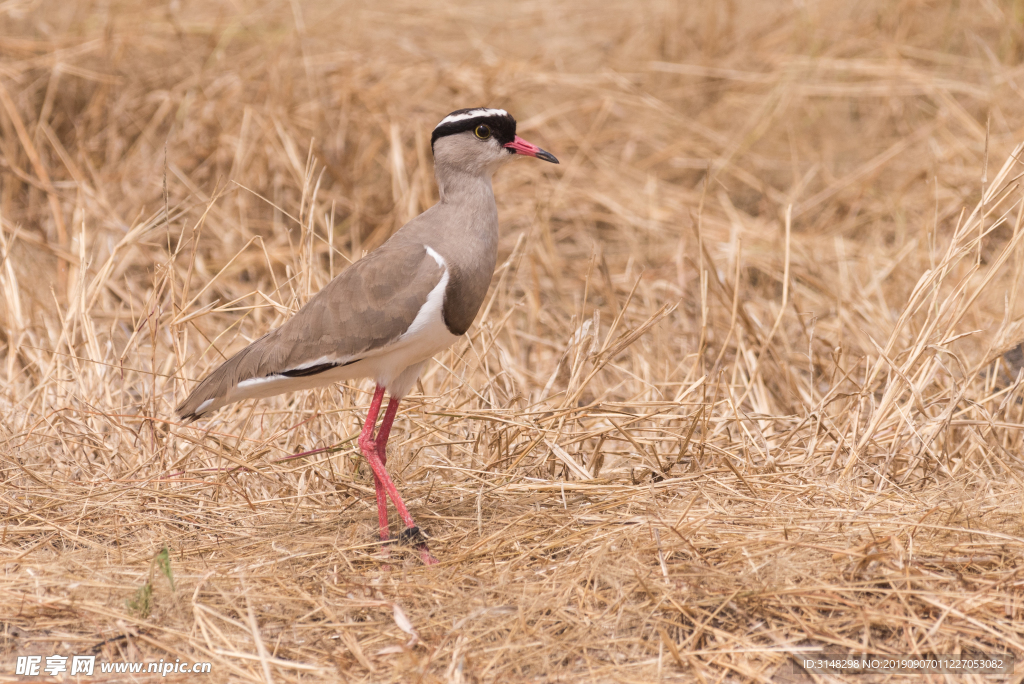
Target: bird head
480, 140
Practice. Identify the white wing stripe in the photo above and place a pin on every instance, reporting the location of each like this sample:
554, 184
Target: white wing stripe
437, 257
252, 382
430, 313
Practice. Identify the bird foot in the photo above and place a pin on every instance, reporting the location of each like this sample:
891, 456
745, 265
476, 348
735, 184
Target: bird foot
412, 535
426, 556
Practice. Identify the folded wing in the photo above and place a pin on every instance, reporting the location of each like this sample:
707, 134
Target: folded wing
359, 313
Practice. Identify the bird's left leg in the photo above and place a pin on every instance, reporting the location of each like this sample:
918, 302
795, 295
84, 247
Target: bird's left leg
368, 446
412, 532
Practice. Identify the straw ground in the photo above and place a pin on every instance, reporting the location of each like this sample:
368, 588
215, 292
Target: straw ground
738, 394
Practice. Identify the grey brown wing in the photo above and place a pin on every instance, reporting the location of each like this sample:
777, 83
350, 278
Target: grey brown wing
369, 306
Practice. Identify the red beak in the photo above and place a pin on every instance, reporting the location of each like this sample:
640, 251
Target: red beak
520, 146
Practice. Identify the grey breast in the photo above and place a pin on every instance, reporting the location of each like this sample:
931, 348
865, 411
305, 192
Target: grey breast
465, 234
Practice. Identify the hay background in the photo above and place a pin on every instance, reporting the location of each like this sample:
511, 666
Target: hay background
682, 443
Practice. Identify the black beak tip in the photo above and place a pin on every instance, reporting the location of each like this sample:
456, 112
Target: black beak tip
547, 156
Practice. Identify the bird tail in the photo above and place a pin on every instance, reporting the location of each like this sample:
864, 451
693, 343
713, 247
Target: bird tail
209, 395
219, 388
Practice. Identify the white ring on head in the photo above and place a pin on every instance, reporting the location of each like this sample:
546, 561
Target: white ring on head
471, 114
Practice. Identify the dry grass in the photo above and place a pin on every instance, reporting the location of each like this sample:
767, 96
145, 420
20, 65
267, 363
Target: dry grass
688, 437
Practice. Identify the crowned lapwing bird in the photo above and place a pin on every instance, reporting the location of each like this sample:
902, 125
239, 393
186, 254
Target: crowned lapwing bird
388, 313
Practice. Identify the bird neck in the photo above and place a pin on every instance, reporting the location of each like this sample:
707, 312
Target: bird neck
456, 185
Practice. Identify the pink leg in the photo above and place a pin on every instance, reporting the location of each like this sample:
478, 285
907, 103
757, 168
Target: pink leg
368, 446
375, 453
382, 440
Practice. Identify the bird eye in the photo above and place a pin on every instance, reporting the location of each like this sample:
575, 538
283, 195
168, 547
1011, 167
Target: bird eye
483, 132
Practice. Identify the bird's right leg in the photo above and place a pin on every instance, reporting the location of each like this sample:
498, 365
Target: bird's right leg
368, 447
412, 532
374, 450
